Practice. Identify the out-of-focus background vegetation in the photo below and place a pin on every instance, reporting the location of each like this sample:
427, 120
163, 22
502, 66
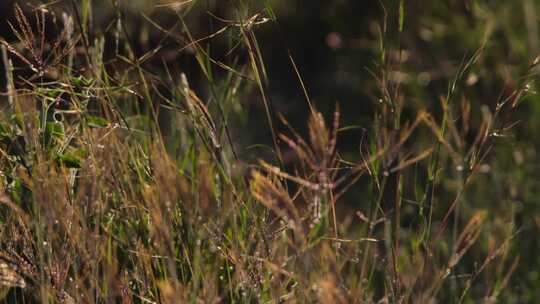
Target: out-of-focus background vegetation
371, 58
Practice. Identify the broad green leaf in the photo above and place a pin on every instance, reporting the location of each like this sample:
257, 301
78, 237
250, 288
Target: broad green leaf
97, 122
69, 160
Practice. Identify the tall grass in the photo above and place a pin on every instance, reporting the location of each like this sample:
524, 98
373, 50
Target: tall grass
123, 182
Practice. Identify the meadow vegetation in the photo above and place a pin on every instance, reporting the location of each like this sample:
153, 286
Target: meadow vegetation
133, 169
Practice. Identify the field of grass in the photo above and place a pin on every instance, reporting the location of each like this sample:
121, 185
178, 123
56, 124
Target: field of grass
147, 154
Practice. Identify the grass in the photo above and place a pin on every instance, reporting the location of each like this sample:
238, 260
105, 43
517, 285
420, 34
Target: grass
123, 181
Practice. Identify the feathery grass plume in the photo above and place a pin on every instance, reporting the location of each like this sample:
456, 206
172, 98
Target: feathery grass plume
25, 34
202, 118
275, 197
96, 53
466, 239
318, 164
